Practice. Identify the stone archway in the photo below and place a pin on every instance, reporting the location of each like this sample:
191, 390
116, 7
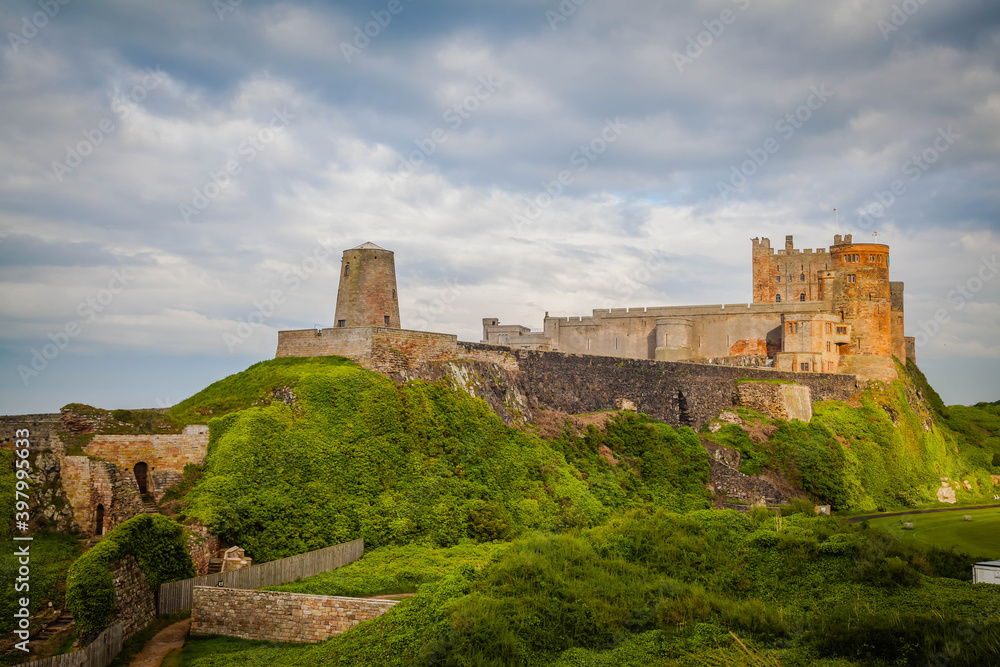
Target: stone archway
141, 477
99, 521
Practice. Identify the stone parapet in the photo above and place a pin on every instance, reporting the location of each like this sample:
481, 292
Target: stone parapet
277, 616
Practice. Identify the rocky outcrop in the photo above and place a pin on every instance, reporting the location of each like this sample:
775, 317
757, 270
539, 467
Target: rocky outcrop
727, 483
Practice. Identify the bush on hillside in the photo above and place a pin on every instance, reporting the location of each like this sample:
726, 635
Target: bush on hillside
158, 545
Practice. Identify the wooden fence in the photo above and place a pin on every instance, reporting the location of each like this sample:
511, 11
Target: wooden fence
98, 653
176, 595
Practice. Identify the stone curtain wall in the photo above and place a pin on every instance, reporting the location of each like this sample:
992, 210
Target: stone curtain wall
680, 394
276, 616
375, 348
135, 605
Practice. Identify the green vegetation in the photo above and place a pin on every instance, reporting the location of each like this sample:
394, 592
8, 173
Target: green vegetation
51, 556
390, 570
979, 537
342, 453
158, 545
652, 587
884, 451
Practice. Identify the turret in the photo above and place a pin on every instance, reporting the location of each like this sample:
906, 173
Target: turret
861, 296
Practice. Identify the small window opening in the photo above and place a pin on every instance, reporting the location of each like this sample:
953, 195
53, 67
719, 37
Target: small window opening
777, 298
342, 323
802, 297
347, 269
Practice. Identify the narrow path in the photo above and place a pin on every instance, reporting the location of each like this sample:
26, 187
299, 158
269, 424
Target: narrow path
856, 519
159, 646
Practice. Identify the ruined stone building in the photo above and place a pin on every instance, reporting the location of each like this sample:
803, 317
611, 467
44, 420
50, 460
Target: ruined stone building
826, 310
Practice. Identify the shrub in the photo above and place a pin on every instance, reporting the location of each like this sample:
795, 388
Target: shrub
156, 542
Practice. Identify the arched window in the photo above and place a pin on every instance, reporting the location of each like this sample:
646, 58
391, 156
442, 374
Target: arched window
347, 269
802, 297
777, 298
802, 277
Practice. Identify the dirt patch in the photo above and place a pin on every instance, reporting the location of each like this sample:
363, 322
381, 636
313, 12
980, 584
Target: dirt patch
604, 452
156, 649
550, 423
759, 433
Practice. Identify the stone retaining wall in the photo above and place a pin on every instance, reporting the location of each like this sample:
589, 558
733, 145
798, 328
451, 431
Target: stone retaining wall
276, 616
135, 605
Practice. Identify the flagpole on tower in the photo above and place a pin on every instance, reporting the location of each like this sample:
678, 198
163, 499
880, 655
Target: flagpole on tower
838, 218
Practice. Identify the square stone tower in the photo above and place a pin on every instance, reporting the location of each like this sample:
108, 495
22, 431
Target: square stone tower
367, 293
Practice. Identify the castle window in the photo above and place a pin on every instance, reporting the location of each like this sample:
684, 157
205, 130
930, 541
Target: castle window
804, 367
386, 320
802, 297
828, 348
777, 298
850, 277
393, 294
841, 331
802, 277
829, 330
793, 327
341, 323
777, 279
347, 269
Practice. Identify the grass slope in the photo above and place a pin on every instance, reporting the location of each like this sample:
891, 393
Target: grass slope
888, 449
327, 452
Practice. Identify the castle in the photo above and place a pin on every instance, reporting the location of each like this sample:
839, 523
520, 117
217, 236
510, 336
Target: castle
824, 311
829, 310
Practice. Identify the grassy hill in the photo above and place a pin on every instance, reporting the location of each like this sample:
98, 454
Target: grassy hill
321, 451
589, 541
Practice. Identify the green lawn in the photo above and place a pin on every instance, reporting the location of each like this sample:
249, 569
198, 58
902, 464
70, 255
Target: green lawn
979, 537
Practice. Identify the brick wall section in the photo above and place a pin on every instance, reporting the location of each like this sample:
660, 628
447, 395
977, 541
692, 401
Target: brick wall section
165, 455
135, 605
276, 616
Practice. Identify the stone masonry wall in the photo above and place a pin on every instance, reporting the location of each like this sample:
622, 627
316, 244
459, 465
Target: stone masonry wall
277, 616
778, 401
90, 483
165, 455
680, 394
135, 604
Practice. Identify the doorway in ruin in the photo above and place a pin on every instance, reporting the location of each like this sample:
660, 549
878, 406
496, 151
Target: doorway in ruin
99, 523
140, 477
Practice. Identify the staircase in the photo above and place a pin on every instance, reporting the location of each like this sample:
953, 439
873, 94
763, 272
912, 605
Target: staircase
64, 620
148, 504
215, 566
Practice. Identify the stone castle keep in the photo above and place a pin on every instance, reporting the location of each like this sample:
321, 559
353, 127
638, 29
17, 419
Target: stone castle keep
829, 310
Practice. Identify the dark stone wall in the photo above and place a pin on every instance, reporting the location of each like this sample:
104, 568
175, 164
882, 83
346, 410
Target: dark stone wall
680, 394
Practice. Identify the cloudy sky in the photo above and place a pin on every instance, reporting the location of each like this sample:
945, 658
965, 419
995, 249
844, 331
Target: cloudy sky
170, 170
